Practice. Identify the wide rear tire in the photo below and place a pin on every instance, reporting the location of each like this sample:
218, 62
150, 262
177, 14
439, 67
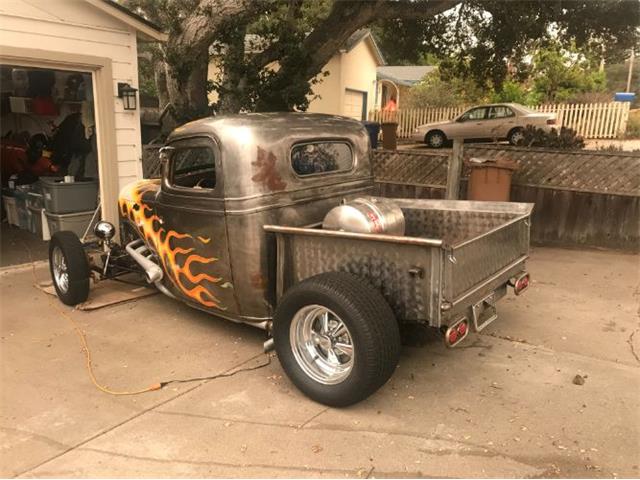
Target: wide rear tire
354, 355
69, 268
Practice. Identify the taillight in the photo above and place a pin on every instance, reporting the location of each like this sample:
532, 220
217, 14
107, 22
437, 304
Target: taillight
521, 283
456, 332
551, 121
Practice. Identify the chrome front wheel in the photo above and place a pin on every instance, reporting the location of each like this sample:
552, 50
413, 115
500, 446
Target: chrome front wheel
60, 271
322, 344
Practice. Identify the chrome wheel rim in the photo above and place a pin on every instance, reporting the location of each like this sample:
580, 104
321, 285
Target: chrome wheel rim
517, 137
436, 140
60, 271
322, 344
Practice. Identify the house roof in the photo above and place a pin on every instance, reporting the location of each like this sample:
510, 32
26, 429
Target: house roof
404, 74
364, 34
147, 29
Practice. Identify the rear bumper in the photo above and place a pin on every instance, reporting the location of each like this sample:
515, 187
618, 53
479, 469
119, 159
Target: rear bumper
496, 284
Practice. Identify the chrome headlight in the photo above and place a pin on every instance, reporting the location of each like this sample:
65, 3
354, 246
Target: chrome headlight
104, 231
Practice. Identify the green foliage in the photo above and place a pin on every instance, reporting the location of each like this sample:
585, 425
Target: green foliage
565, 139
559, 74
436, 91
633, 125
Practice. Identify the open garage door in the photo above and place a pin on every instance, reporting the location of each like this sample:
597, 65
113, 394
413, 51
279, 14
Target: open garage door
355, 104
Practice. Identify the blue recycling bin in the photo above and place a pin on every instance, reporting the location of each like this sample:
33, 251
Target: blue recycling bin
373, 128
624, 97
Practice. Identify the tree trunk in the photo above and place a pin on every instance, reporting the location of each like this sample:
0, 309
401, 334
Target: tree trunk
187, 87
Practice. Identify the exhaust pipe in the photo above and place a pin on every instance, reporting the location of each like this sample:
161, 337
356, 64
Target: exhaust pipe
136, 250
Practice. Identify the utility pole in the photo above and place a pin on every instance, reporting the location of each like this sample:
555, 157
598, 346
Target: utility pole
630, 71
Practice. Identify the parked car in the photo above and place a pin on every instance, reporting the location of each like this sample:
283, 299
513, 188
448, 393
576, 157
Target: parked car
268, 219
503, 121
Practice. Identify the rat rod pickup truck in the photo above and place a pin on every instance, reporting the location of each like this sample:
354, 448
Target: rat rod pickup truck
268, 219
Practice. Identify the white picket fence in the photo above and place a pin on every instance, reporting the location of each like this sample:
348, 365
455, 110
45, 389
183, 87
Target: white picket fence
590, 120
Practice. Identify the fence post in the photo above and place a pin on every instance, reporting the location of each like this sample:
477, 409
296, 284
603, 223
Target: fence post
454, 172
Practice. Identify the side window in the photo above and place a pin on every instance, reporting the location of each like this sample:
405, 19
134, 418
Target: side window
475, 114
193, 167
501, 112
321, 157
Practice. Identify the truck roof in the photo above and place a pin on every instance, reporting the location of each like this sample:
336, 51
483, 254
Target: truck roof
280, 124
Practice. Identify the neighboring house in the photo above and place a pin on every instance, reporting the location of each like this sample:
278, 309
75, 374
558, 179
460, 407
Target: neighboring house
91, 39
350, 87
395, 81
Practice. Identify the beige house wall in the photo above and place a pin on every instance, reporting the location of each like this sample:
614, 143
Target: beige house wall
359, 73
66, 27
327, 93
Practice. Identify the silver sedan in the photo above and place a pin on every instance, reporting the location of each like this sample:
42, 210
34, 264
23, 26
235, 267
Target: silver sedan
504, 121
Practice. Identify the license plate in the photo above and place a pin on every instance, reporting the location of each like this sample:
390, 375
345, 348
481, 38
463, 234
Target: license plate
485, 312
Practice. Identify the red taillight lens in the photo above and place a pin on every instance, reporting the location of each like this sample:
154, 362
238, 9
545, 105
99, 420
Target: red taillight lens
456, 332
551, 121
521, 284
462, 329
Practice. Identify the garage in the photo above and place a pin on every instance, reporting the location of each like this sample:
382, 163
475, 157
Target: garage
70, 133
355, 104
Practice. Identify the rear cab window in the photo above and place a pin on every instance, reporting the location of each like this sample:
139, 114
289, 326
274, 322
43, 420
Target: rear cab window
321, 157
193, 167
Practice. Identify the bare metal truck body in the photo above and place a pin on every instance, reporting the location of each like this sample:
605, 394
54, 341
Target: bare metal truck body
234, 227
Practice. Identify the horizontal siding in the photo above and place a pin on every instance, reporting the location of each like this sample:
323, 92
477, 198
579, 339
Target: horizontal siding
79, 28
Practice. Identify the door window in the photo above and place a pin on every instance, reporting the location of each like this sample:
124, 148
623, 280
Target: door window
321, 157
193, 168
475, 114
500, 112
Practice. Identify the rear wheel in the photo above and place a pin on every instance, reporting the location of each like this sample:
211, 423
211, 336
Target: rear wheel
516, 136
69, 268
337, 338
435, 139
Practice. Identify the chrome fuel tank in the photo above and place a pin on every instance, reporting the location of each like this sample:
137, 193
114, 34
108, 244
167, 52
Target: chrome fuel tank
366, 215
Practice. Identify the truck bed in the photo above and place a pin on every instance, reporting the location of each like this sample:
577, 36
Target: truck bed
453, 254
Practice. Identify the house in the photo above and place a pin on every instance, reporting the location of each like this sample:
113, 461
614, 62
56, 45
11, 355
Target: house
62, 57
394, 81
350, 87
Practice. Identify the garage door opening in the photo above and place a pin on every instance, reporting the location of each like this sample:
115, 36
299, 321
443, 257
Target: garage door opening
48, 155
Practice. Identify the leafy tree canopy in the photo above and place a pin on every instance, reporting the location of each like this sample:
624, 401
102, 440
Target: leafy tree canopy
271, 52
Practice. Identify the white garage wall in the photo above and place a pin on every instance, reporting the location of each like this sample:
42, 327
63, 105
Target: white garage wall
79, 28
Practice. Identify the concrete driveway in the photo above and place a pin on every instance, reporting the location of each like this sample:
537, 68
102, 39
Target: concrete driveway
503, 405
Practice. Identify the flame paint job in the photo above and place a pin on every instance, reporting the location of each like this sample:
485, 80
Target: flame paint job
177, 252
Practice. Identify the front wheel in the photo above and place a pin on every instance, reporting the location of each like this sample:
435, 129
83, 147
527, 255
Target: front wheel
69, 268
337, 338
435, 139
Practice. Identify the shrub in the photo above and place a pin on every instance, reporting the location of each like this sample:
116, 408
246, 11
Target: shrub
633, 125
565, 139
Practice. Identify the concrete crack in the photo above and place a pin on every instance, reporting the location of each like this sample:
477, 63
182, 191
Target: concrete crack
631, 347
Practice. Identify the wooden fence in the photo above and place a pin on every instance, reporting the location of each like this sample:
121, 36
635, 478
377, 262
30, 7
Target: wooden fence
591, 120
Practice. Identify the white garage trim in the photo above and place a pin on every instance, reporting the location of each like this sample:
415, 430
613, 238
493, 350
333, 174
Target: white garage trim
104, 104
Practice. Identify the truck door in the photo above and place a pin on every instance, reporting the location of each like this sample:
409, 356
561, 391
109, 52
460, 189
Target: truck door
192, 216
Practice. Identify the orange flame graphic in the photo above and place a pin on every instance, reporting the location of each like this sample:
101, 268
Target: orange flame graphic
149, 226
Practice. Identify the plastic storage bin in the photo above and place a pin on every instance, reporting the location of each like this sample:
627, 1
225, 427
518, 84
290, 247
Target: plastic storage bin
20, 196
9, 203
61, 197
35, 200
76, 222
35, 220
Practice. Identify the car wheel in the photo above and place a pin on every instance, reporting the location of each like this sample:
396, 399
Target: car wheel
516, 136
435, 139
337, 338
69, 268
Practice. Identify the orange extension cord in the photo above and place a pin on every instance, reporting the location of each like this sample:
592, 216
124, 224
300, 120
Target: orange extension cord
87, 353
